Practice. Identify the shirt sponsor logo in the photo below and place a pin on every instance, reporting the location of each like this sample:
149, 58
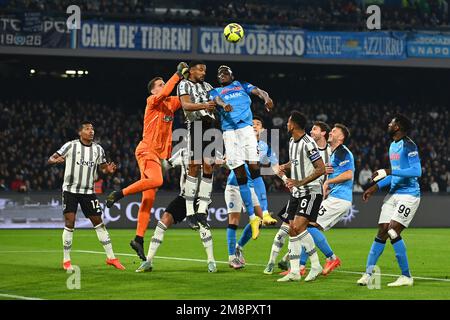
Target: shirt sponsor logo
226, 90
394, 156
413, 154
83, 162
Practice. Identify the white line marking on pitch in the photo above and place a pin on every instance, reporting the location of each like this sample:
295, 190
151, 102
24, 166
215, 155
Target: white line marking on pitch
256, 264
18, 297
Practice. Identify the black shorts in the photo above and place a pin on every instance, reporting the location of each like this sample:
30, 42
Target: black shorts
88, 202
307, 206
197, 142
177, 208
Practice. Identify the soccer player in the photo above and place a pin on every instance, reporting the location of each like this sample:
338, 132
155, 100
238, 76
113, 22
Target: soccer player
176, 212
240, 142
199, 111
156, 144
233, 200
82, 157
400, 204
338, 196
320, 133
306, 167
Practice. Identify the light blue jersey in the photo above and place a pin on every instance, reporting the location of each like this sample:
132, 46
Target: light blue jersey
342, 160
266, 156
237, 94
405, 168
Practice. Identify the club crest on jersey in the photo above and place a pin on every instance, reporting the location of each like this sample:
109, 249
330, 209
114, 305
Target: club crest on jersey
167, 118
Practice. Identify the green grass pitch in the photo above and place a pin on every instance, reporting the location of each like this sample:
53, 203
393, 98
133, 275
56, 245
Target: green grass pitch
30, 266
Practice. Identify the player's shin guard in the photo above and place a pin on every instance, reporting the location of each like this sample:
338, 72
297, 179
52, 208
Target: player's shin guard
308, 243
156, 240
321, 241
375, 252
260, 190
204, 194
105, 240
278, 242
400, 254
294, 253
231, 239
246, 235
206, 236
191, 191
67, 237
246, 196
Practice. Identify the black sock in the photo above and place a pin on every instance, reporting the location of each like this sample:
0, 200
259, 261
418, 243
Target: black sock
118, 195
139, 240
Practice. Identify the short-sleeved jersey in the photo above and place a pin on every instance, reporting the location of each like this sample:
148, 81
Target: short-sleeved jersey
199, 93
302, 154
158, 120
342, 160
403, 154
266, 156
81, 165
237, 94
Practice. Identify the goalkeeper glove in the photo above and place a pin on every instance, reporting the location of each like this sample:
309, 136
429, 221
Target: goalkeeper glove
183, 70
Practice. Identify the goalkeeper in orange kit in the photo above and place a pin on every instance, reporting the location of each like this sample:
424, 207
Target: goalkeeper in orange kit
156, 144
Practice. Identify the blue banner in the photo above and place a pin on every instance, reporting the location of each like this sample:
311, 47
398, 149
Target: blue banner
144, 37
256, 41
423, 45
356, 45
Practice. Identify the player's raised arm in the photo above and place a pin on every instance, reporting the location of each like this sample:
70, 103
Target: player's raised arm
263, 95
55, 158
188, 105
181, 72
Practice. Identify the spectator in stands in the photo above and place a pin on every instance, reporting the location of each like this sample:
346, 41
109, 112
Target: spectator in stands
365, 177
434, 185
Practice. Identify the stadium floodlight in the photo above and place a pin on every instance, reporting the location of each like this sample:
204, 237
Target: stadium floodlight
71, 72
86, 72
80, 72
32, 71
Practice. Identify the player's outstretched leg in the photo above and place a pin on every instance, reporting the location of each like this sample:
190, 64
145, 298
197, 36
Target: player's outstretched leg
400, 254
137, 244
105, 240
206, 236
261, 193
321, 242
233, 261
67, 237
278, 243
374, 254
155, 242
244, 239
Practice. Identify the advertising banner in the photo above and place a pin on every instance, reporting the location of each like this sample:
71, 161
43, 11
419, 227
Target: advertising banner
423, 45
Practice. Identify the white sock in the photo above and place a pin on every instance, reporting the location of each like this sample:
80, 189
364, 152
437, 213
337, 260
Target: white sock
67, 237
190, 190
204, 194
156, 241
206, 237
285, 257
231, 258
278, 242
333, 257
294, 254
105, 240
307, 241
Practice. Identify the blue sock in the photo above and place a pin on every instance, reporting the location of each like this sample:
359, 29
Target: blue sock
321, 241
245, 236
231, 239
375, 252
260, 190
246, 196
303, 257
400, 254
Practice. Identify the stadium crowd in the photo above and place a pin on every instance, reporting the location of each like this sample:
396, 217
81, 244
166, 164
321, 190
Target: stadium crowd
31, 131
313, 14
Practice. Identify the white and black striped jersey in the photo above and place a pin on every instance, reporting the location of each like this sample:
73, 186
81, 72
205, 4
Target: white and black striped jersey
199, 93
81, 163
302, 154
325, 153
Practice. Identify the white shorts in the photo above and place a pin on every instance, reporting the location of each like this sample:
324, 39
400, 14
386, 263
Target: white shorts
240, 146
234, 201
331, 212
400, 208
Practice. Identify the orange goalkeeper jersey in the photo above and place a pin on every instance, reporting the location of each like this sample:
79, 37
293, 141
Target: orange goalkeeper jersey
158, 120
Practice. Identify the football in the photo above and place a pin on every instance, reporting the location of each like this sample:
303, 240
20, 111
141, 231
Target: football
233, 32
